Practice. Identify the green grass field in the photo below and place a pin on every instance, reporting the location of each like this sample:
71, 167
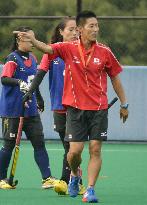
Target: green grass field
122, 181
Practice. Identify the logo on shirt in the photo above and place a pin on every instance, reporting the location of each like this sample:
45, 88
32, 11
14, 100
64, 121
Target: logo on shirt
96, 61
27, 62
22, 69
103, 134
56, 62
75, 59
70, 136
12, 135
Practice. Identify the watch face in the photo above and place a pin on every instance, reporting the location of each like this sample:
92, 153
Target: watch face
124, 106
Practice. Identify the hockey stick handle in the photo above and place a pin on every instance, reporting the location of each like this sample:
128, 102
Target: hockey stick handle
16, 150
112, 102
20, 126
19, 133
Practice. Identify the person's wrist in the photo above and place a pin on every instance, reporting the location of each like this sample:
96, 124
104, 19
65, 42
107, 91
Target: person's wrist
125, 105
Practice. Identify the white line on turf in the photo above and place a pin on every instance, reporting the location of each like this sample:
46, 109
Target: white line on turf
103, 150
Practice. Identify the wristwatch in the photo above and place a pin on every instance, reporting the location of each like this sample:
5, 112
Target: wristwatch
125, 106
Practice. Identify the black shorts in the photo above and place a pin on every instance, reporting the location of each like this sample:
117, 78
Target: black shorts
32, 127
85, 125
59, 122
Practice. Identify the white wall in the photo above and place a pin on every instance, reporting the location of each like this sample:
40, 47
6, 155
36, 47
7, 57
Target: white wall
134, 79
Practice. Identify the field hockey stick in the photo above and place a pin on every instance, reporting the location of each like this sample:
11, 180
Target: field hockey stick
112, 102
16, 151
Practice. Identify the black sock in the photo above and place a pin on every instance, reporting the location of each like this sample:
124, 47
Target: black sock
65, 170
5, 157
65, 167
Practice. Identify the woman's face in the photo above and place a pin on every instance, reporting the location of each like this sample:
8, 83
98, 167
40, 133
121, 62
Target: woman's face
24, 44
70, 32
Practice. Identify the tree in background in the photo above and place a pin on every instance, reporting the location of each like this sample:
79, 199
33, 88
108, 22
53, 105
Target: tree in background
6, 8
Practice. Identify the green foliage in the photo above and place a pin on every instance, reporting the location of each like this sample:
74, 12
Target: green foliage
126, 5
7, 7
127, 38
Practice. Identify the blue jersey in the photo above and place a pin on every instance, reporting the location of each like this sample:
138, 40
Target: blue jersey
11, 96
56, 83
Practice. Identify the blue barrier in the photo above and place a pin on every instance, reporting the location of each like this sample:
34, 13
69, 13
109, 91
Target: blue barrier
134, 80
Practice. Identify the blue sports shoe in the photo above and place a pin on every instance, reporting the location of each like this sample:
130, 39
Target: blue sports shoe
73, 186
89, 196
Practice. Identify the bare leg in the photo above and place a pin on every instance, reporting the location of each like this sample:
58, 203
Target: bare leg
74, 156
95, 161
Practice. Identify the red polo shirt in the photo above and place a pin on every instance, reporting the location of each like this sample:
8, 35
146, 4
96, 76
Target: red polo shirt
85, 83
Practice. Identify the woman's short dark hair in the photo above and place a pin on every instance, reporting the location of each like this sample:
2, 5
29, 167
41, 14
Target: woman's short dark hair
15, 38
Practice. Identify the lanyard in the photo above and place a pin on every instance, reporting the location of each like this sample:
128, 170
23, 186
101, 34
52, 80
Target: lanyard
85, 64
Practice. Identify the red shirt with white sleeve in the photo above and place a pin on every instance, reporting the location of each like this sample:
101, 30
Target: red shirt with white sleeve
85, 82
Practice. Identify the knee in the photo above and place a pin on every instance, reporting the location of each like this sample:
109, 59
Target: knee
37, 145
75, 150
95, 149
74, 154
95, 153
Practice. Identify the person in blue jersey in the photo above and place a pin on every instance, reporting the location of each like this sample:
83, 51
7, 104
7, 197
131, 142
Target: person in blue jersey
65, 31
18, 72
